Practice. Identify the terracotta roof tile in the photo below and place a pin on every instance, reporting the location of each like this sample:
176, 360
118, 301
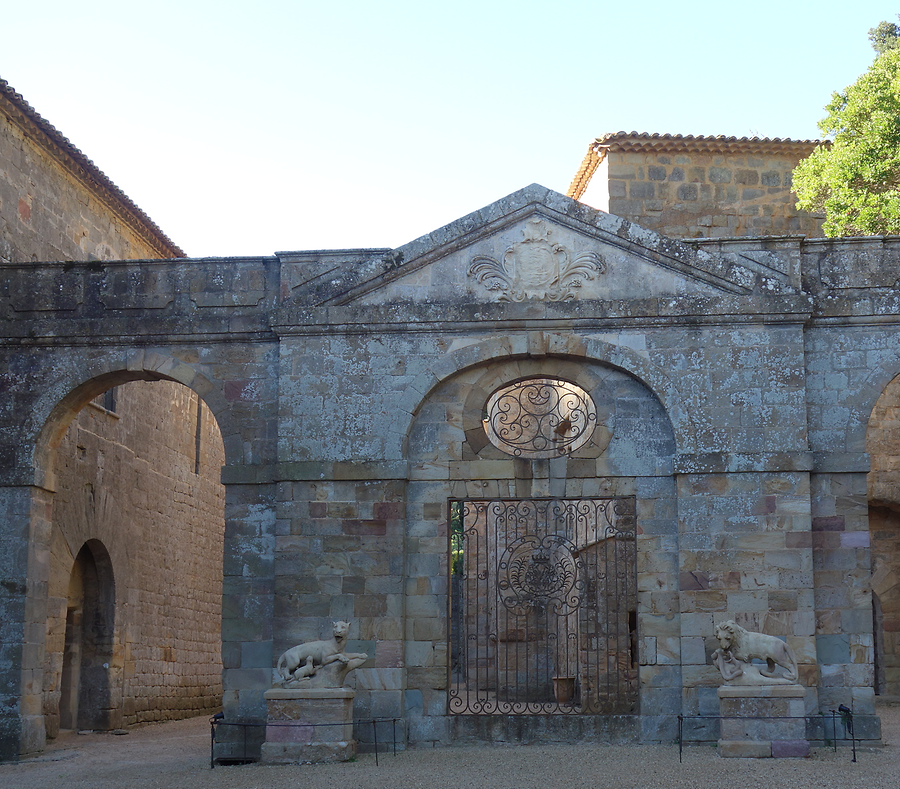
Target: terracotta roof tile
582, 178
643, 141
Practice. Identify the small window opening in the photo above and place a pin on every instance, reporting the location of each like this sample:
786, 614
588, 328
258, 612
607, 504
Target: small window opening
108, 400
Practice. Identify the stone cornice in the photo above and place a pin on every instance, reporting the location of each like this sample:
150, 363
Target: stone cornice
743, 462
580, 316
300, 471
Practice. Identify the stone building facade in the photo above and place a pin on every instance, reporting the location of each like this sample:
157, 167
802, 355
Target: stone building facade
697, 187
127, 629
733, 441
532, 457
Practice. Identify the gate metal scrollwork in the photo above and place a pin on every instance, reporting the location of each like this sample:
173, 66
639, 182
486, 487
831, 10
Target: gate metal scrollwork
536, 571
543, 606
540, 418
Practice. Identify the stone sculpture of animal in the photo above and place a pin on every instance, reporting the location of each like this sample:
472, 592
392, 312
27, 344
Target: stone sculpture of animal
745, 645
321, 653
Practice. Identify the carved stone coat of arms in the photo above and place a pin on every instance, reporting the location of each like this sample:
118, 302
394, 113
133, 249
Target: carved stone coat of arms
536, 268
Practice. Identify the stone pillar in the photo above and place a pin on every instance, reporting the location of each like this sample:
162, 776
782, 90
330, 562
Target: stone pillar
248, 601
14, 529
24, 563
762, 721
843, 582
292, 733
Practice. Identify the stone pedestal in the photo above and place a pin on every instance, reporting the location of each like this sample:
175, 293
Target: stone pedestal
291, 733
762, 721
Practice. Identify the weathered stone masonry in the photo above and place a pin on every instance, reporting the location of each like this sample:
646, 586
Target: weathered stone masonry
141, 482
735, 383
697, 187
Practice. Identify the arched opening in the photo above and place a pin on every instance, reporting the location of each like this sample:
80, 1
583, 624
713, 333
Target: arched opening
541, 582
547, 478
134, 540
883, 447
85, 692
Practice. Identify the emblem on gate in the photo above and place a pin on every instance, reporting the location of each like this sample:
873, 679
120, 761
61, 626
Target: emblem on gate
536, 572
536, 268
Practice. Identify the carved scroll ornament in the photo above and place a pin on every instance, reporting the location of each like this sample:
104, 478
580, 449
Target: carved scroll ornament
536, 268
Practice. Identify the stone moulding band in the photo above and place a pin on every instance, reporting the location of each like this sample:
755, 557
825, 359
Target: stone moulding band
312, 470
733, 463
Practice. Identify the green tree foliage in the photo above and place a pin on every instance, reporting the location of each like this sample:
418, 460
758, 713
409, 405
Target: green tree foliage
885, 37
457, 539
856, 180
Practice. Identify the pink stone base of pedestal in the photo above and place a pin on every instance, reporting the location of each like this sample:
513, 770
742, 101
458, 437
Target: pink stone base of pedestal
762, 721
291, 737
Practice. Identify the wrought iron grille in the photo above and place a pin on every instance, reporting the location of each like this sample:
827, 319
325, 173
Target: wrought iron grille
540, 418
543, 607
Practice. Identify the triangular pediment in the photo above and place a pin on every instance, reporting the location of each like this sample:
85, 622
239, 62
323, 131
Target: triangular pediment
534, 245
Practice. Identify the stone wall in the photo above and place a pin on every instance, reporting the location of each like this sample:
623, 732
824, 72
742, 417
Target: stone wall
339, 555
698, 187
141, 481
735, 381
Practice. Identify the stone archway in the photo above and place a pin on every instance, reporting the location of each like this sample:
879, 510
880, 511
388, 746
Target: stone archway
883, 484
89, 695
134, 530
627, 459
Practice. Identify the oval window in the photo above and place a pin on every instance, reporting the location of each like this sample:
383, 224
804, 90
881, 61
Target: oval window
539, 418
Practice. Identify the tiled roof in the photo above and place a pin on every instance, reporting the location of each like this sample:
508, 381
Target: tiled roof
583, 177
685, 143
64, 151
642, 141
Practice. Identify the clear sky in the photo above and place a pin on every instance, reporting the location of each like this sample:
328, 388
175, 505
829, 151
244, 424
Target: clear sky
254, 127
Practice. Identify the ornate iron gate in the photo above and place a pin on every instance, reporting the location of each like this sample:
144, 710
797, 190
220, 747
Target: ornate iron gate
543, 606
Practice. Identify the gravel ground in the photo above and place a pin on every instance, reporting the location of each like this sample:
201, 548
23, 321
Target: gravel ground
176, 756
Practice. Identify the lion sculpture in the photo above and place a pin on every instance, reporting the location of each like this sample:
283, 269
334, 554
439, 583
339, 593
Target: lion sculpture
304, 660
737, 643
